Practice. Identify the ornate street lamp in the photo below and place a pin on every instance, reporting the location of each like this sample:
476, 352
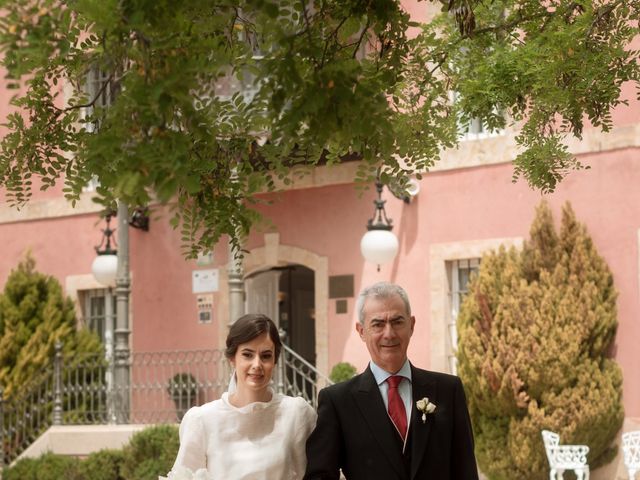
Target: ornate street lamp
379, 245
111, 268
105, 265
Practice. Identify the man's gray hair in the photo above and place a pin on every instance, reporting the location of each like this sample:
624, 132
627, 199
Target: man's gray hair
381, 290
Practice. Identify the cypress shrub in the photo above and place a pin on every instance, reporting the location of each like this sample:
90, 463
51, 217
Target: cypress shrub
34, 315
535, 336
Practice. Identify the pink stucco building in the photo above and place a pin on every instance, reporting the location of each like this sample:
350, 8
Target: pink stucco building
305, 268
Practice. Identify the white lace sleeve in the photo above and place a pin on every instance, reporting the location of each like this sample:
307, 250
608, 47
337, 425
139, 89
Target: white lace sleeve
305, 424
193, 445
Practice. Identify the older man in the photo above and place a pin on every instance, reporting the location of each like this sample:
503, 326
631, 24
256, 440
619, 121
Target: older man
393, 421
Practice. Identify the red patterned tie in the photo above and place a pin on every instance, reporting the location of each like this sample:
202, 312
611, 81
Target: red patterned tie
397, 411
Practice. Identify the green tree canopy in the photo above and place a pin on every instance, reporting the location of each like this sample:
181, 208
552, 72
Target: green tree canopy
534, 352
330, 80
34, 315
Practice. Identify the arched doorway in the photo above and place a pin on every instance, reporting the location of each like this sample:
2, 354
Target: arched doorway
274, 255
287, 295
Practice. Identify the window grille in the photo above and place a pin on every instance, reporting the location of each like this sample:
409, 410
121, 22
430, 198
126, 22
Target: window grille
99, 313
101, 87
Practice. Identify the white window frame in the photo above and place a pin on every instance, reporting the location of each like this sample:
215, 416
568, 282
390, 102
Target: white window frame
94, 82
106, 320
456, 293
439, 255
476, 129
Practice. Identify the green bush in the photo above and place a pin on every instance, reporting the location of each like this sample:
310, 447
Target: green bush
150, 453
342, 372
103, 465
535, 332
34, 315
47, 467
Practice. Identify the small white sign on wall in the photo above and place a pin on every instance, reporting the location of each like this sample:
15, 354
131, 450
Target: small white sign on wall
204, 259
203, 281
205, 308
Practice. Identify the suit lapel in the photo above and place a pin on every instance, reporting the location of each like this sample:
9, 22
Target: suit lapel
423, 386
369, 400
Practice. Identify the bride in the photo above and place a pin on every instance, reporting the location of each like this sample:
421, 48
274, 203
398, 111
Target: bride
250, 433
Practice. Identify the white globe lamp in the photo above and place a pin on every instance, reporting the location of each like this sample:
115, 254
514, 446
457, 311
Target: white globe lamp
105, 265
104, 269
379, 245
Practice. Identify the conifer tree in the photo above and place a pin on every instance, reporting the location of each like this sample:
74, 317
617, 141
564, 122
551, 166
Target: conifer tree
534, 352
34, 315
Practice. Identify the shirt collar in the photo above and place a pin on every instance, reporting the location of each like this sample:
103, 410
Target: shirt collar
381, 375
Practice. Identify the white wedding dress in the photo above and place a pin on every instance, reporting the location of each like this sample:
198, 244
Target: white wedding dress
260, 441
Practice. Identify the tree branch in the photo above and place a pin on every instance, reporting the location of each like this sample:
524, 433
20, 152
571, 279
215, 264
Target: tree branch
92, 102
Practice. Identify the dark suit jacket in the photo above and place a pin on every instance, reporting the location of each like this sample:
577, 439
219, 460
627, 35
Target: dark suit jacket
354, 433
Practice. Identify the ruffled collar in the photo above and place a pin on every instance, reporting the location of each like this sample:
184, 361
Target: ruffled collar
252, 407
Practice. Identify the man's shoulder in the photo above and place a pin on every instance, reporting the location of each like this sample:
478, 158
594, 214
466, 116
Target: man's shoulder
439, 377
342, 387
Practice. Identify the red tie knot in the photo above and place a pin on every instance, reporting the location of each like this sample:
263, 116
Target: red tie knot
394, 381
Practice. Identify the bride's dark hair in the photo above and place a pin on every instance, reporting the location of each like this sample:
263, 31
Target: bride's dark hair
248, 327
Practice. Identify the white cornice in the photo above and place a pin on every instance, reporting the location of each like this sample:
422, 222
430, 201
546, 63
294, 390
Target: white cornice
470, 153
49, 208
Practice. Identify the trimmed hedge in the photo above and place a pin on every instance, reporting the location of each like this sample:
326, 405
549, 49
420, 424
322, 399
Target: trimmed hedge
150, 453
103, 465
46, 467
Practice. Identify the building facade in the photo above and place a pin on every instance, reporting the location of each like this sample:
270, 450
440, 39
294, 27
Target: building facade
303, 264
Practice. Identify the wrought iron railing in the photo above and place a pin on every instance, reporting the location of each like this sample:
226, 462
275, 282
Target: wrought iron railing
299, 378
162, 387
25, 417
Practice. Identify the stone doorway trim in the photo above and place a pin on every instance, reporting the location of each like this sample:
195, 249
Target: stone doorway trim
275, 254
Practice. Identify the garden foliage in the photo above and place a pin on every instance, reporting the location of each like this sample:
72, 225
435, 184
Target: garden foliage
150, 453
34, 315
536, 333
46, 467
342, 372
212, 102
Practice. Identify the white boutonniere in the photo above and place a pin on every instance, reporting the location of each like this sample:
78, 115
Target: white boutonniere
425, 406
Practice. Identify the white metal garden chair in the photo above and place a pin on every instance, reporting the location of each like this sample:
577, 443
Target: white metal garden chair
565, 457
631, 452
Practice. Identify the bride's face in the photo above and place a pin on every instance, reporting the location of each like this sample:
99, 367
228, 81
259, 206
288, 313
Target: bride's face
254, 362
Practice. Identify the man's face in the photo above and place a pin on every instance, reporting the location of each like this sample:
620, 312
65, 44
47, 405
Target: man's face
386, 331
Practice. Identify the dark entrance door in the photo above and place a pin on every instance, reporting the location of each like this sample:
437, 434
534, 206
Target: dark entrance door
296, 306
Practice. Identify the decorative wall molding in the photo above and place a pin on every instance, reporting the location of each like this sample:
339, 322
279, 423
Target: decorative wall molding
39, 209
470, 153
274, 254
